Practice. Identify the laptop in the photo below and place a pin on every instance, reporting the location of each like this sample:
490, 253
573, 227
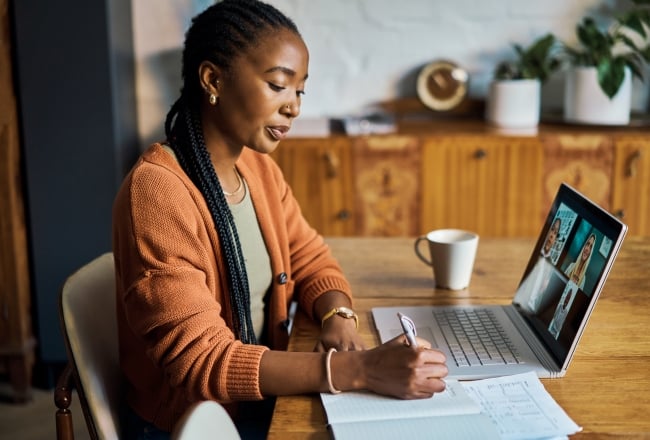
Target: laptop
541, 327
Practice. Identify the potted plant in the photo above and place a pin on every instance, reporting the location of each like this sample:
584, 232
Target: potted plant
598, 86
514, 94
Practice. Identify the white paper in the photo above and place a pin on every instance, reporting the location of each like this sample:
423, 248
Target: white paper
520, 407
510, 408
357, 406
450, 414
458, 427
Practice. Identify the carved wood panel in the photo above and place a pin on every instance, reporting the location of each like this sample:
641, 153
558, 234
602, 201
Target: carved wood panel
631, 186
584, 161
387, 185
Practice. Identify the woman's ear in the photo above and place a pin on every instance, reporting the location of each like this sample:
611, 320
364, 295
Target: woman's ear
209, 75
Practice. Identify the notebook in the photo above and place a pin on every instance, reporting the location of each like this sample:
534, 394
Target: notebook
541, 327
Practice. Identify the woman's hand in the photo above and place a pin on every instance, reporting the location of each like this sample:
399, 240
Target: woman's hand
397, 370
339, 333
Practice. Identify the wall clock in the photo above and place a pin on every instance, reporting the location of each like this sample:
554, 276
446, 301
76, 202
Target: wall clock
442, 85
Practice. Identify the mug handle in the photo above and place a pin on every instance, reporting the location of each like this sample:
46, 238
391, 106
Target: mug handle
424, 259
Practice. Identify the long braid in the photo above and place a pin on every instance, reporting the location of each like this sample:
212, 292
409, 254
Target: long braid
199, 167
219, 34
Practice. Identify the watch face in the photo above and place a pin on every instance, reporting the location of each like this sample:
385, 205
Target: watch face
344, 311
442, 85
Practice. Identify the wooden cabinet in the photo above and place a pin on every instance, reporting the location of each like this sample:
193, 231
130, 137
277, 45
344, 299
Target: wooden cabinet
320, 174
611, 168
367, 186
387, 185
405, 185
465, 175
16, 337
583, 160
631, 182
486, 184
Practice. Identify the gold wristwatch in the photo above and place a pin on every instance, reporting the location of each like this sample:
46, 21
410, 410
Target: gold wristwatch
345, 312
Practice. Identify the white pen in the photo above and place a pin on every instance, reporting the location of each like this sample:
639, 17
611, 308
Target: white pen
409, 329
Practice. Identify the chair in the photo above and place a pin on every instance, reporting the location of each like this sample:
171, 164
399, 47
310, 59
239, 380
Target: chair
89, 324
207, 419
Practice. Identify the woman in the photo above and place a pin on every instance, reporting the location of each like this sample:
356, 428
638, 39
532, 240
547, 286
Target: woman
562, 309
577, 270
532, 290
551, 238
211, 248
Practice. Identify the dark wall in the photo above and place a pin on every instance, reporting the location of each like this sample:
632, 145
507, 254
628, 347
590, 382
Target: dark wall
75, 73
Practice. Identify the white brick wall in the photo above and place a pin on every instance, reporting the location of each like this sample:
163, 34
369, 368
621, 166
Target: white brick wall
363, 51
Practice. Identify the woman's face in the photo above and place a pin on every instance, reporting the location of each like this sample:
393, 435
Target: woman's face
589, 245
260, 96
552, 236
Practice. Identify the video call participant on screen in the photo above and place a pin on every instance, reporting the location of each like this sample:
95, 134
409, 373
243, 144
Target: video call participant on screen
562, 309
577, 270
532, 289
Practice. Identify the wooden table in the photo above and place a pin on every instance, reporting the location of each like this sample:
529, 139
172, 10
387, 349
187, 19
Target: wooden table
607, 387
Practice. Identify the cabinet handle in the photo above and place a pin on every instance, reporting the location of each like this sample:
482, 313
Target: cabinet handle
343, 214
480, 154
631, 164
332, 164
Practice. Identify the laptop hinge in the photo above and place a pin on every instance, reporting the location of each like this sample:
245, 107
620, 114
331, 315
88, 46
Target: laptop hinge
531, 338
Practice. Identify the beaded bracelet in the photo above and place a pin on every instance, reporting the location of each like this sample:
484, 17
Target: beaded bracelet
328, 371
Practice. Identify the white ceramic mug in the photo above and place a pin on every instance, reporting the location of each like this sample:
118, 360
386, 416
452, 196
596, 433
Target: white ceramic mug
452, 253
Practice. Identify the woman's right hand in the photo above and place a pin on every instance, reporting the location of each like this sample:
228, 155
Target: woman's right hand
397, 370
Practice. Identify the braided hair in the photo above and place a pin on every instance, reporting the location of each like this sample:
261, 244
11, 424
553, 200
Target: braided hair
219, 34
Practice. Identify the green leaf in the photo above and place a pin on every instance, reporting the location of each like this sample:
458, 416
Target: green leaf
596, 46
591, 37
534, 62
520, 50
505, 71
611, 76
541, 48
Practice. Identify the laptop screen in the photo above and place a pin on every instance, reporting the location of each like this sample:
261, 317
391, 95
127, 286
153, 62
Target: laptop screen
570, 262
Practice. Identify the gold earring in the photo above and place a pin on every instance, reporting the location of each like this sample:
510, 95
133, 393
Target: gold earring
213, 99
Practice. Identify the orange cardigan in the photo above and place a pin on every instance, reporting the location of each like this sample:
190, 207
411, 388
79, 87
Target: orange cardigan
174, 321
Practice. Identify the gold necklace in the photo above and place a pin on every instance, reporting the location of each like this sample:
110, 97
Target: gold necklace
239, 187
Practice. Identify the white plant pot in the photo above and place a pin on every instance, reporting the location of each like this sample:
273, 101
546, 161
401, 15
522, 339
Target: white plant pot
586, 103
514, 103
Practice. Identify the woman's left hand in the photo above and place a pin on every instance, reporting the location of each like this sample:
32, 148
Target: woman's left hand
339, 333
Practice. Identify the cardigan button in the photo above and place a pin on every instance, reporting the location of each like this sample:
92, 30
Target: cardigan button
282, 278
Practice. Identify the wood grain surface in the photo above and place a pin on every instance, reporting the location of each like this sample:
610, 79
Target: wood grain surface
607, 387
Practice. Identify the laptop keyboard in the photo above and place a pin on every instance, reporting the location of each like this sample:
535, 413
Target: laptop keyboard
476, 338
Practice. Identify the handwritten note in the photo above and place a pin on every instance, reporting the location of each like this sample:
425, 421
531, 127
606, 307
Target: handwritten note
520, 407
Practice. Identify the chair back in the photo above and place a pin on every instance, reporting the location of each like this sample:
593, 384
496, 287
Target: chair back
207, 419
88, 317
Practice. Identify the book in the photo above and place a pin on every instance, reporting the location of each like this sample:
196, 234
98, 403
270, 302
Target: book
509, 408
